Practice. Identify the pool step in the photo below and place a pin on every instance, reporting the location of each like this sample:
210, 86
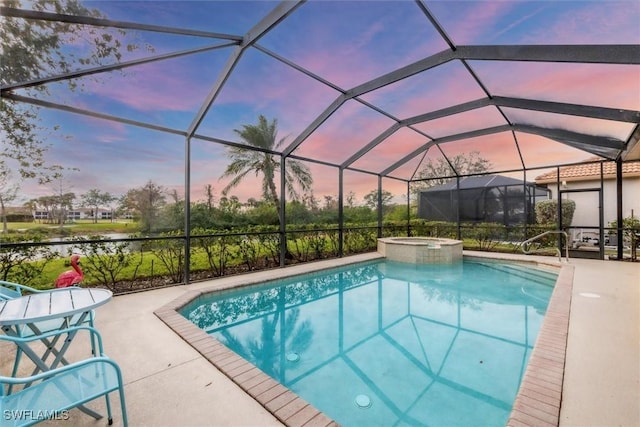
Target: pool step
536, 272
536, 275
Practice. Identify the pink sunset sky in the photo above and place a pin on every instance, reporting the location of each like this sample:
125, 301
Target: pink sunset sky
345, 43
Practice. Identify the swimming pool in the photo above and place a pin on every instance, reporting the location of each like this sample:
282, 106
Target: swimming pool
386, 343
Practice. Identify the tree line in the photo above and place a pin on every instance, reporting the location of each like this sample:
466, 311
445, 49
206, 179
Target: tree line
36, 49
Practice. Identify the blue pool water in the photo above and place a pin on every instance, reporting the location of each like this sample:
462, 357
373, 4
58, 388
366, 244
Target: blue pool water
391, 344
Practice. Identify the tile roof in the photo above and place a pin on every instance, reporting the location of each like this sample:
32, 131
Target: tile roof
589, 171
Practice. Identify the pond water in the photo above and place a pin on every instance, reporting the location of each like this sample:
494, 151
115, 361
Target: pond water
67, 249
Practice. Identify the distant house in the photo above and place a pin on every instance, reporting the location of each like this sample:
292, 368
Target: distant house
40, 215
76, 214
581, 183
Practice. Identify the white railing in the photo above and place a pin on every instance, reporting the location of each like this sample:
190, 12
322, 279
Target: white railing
524, 245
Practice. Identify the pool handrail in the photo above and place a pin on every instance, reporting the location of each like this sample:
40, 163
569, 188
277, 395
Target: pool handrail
524, 244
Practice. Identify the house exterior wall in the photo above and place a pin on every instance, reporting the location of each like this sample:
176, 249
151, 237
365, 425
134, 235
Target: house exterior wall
586, 213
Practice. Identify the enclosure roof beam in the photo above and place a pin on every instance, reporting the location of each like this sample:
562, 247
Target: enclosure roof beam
604, 113
298, 67
106, 68
473, 134
402, 73
315, 124
266, 24
69, 109
560, 135
567, 136
364, 150
282, 10
392, 77
599, 145
610, 54
408, 157
603, 146
100, 22
449, 111
215, 90
632, 150
617, 114
604, 54
478, 103
482, 102
598, 54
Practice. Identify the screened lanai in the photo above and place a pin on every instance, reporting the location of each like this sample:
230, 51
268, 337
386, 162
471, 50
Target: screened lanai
365, 94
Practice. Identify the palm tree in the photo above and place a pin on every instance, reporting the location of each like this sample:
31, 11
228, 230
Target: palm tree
265, 350
245, 161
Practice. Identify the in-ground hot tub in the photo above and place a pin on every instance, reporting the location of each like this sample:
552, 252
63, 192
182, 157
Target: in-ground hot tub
421, 250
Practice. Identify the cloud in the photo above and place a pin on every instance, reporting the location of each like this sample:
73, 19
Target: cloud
500, 149
440, 87
179, 84
346, 131
609, 85
463, 122
467, 22
262, 85
560, 22
516, 23
538, 151
592, 23
349, 43
584, 125
392, 149
366, 40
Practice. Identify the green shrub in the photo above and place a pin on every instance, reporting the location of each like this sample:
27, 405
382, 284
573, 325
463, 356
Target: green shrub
24, 264
547, 212
486, 235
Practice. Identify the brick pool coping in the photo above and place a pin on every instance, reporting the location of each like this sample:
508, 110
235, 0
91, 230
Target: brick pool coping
539, 396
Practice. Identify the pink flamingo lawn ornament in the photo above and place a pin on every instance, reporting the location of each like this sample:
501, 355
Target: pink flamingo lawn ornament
71, 277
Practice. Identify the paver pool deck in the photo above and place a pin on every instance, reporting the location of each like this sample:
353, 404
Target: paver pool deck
169, 383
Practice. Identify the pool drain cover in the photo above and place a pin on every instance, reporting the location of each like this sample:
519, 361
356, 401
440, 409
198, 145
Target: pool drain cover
363, 401
293, 357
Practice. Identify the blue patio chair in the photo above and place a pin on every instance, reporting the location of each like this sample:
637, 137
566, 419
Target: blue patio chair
10, 290
51, 393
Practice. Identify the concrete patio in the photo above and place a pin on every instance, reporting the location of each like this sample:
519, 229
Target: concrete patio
168, 383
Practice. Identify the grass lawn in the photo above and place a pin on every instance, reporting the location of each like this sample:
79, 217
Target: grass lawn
78, 227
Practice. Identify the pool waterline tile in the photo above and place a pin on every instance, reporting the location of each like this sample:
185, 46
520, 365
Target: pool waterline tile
538, 384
